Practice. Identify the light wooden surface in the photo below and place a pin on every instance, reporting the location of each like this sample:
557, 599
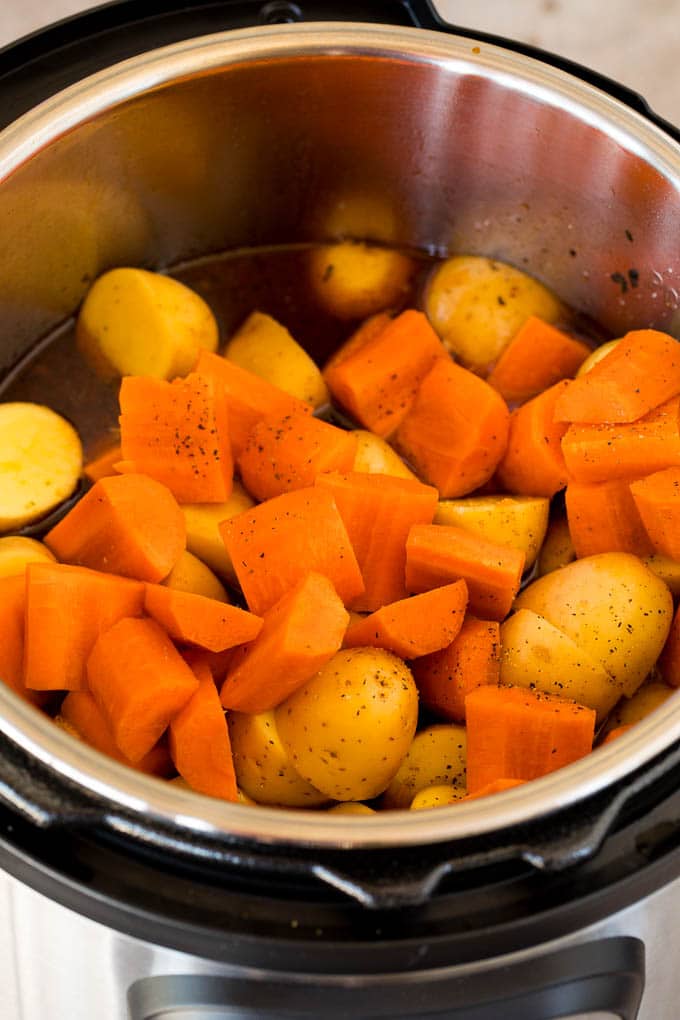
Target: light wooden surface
635, 41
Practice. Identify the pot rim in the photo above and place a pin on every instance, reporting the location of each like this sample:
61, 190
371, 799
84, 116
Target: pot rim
161, 802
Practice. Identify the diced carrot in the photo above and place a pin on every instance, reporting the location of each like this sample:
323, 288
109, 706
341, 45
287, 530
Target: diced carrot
12, 611
445, 678
600, 453
514, 733
456, 431
603, 517
533, 464
249, 397
641, 372
198, 620
616, 733
669, 660
140, 682
415, 626
438, 554
199, 740
657, 498
80, 709
378, 512
377, 379
128, 524
273, 546
103, 465
360, 338
300, 634
538, 356
178, 433
283, 454
67, 608
498, 786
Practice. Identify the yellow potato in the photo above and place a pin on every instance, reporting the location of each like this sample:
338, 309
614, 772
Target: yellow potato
349, 727
264, 347
598, 354
538, 656
437, 796
476, 305
264, 770
516, 521
353, 280
557, 549
645, 700
376, 457
351, 807
16, 552
41, 459
667, 569
203, 536
612, 607
134, 322
243, 798
190, 574
436, 757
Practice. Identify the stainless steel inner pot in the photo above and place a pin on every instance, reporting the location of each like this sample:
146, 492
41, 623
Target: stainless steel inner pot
306, 132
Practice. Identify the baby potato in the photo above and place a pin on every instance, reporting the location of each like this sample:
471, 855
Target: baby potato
376, 457
611, 606
351, 807
16, 552
264, 770
203, 536
264, 347
352, 280
633, 710
437, 796
41, 457
517, 521
349, 727
190, 574
667, 569
476, 305
436, 757
557, 549
538, 656
134, 322
598, 354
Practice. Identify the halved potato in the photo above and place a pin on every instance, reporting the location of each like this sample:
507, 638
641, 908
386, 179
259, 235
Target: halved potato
203, 535
645, 701
437, 796
352, 280
41, 459
667, 569
557, 549
516, 521
376, 457
436, 757
16, 551
192, 575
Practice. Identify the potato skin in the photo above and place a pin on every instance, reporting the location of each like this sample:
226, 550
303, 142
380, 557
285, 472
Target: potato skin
436, 796
557, 549
353, 280
203, 535
645, 701
517, 521
191, 575
376, 457
16, 551
437, 756
349, 727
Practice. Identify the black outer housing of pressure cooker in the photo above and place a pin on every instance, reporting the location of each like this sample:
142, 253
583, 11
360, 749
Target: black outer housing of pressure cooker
333, 912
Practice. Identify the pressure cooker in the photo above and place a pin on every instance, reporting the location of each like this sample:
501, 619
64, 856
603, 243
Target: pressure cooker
148, 133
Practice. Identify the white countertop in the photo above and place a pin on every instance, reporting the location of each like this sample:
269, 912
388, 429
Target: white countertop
637, 42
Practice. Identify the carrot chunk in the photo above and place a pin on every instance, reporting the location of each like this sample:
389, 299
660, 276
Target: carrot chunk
472, 659
641, 372
603, 517
199, 740
300, 634
198, 620
614, 734
178, 433
283, 454
128, 524
273, 546
438, 554
80, 709
534, 464
537, 357
378, 512
360, 338
12, 612
103, 466
414, 626
375, 378
67, 608
657, 499
140, 681
513, 733
456, 432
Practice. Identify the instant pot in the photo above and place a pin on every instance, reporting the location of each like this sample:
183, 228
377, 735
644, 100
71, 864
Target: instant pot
151, 133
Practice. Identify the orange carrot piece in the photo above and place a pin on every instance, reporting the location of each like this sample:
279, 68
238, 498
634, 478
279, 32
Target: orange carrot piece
178, 433
537, 357
80, 709
128, 524
377, 379
249, 398
378, 512
616, 733
360, 338
67, 608
456, 431
199, 740
498, 786
283, 454
415, 626
603, 517
657, 499
438, 554
140, 682
445, 678
599, 453
669, 660
641, 372
198, 620
513, 733
274, 545
533, 464
103, 466
12, 612
300, 634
